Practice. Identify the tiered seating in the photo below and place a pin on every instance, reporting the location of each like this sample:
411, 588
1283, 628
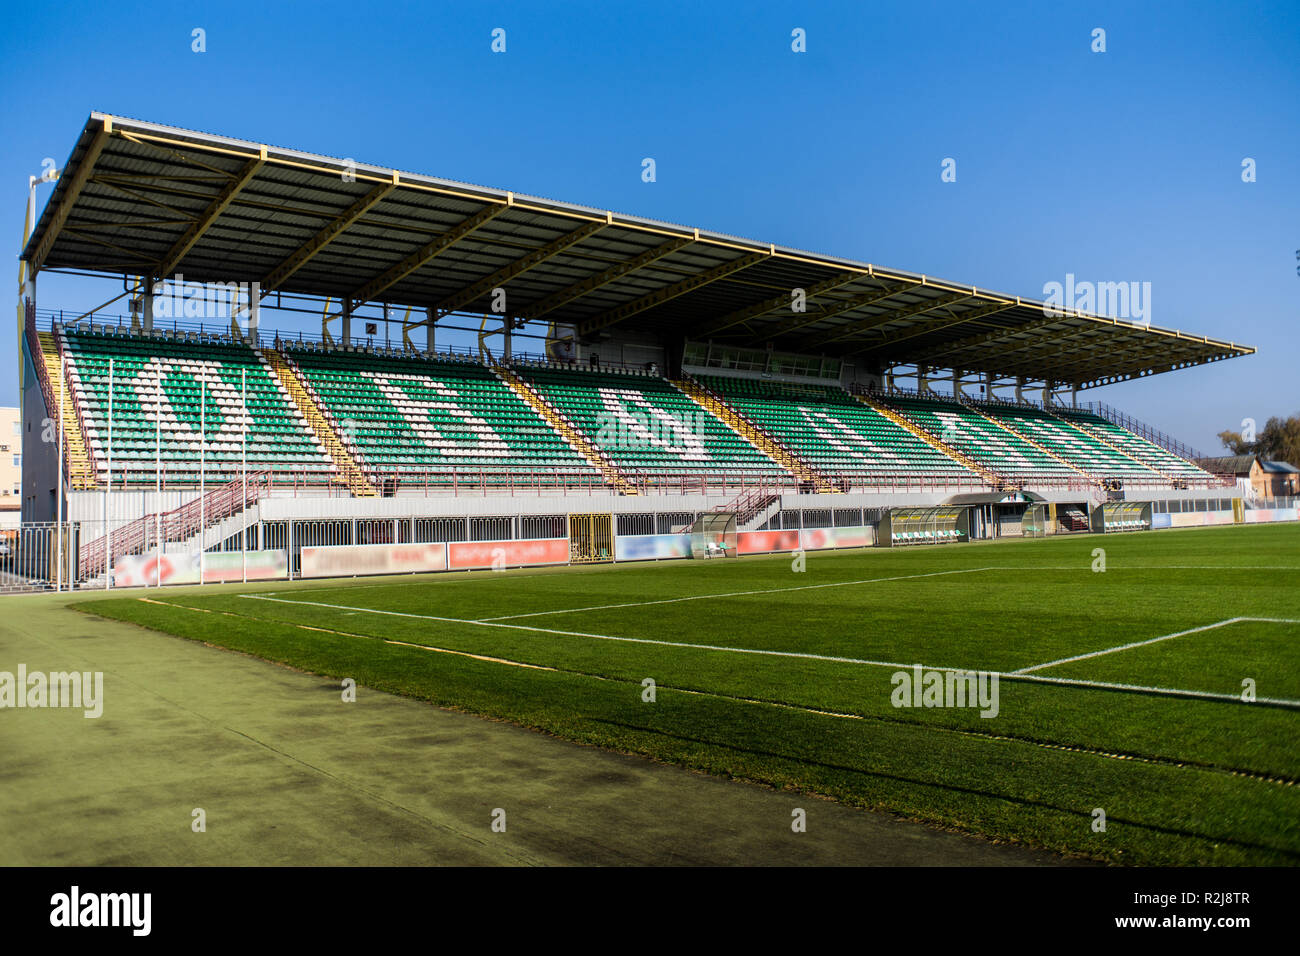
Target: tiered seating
411, 416
278, 438
1166, 462
986, 442
831, 430
446, 420
645, 425
1077, 447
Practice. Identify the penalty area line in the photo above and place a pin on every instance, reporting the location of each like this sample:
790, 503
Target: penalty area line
367, 637
599, 637
1155, 640
727, 594
778, 704
837, 584
804, 655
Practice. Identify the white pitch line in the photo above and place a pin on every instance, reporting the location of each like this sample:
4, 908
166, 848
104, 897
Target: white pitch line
1006, 675
599, 637
425, 577
775, 703
727, 594
1144, 689
837, 584
429, 577
1125, 647
1154, 640
1086, 565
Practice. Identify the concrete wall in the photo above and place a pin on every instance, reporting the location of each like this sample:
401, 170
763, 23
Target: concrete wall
126, 506
40, 478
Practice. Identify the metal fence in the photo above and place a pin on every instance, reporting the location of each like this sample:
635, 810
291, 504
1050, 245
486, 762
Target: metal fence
29, 556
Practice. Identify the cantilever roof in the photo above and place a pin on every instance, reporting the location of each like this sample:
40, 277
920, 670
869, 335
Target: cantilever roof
136, 198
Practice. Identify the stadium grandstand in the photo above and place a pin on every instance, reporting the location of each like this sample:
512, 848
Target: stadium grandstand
630, 377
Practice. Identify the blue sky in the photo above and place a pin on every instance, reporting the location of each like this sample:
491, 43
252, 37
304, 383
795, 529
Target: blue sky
1115, 166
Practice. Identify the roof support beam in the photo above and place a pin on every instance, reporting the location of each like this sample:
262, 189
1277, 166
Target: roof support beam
134, 191
183, 159
660, 296
1023, 350
69, 198
153, 263
875, 321
129, 268
579, 289
1035, 363
1061, 358
331, 231
939, 324
984, 339
210, 215
1144, 358
428, 252
145, 179
129, 224
833, 309
521, 265
783, 300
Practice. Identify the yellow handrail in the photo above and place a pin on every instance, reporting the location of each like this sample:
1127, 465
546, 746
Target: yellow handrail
575, 438
348, 468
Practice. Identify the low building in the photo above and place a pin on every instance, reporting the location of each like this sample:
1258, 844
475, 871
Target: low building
1282, 478
1266, 479
11, 460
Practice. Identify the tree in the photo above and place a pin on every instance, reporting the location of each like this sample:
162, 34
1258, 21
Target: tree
1278, 440
1236, 444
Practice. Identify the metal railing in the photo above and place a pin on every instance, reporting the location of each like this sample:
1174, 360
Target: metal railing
52, 404
1143, 430
750, 502
476, 482
180, 524
29, 557
515, 481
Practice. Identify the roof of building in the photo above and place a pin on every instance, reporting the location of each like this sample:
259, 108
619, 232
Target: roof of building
141, 199
995, 497
1228, 464
1279, 467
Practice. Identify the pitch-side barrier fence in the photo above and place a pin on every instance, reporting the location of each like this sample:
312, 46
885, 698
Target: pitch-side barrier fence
47, 556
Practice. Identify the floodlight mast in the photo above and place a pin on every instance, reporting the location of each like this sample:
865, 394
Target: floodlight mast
50, 175
27, 290
27, 275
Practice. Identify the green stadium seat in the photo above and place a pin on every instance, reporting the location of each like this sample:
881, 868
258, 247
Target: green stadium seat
974, 435
832, 431
646, 425
434, 420
1147, 452
146, 432
1081, 449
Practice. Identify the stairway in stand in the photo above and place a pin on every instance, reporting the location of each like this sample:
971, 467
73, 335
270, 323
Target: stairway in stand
577, 440
81, 475
902, 421
1096, 435
349, 470
969, 406
769, 446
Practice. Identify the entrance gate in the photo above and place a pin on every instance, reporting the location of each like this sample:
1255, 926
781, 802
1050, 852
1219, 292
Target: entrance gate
591, 538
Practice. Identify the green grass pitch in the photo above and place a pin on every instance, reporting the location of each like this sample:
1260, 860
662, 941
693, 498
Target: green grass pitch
765, 673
